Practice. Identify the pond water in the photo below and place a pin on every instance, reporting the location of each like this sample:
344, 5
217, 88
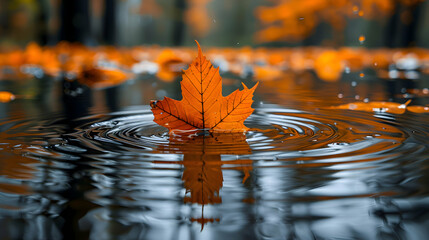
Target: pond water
81, 163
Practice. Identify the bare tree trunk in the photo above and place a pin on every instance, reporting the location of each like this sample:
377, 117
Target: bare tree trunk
75, 21
109, 22
179, 22
42, 22
400, 33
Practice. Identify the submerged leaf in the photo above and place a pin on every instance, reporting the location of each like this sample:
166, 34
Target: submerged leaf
202, 105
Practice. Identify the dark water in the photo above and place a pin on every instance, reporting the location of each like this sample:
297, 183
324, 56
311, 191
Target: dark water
80, 163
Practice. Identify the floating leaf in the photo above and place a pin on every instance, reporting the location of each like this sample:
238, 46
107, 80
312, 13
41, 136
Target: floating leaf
418, 109
101, 78
202, 105
6, 96
328, 66
267, 73
389, 107
170, 64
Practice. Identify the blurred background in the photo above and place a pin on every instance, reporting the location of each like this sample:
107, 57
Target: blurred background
380, 23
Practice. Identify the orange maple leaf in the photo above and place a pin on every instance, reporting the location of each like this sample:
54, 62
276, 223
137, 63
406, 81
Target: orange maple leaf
202, 105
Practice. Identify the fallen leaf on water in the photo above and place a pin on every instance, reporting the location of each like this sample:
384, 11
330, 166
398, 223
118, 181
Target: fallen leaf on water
100, 78
328, 66
389, 107
6, 96
267, 73
50, 63
418, 109
202, 105
170, 64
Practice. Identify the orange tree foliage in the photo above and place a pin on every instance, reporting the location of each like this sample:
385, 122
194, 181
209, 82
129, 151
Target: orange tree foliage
197, 17
202, 105
196, 14
295, 19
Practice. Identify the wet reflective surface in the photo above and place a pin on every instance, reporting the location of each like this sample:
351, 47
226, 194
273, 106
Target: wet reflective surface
80, 163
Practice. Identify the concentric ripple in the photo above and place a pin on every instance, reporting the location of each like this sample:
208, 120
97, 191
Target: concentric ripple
277, 137
275, 134
124, 164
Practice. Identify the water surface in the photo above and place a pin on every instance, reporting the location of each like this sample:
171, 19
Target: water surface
82, 163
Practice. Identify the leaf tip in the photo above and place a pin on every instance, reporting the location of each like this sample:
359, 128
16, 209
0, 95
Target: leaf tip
253, 88
200, 52
153, 103
408, 102
256, 85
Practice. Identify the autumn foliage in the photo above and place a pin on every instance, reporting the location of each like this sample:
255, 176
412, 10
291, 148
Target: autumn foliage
295, 19
202, 105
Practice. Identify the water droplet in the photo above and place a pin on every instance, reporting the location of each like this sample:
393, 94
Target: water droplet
361, 75
354, 83
357, 97
340, 95
366, 100
238, 43
425, 91
376, 64
301, 18
261, 103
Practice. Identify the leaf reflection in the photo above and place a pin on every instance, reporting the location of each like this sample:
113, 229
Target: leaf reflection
202, 160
